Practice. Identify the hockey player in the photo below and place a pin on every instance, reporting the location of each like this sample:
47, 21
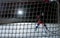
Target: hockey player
40, 21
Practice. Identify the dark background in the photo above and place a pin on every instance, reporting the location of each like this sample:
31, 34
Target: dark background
31, 9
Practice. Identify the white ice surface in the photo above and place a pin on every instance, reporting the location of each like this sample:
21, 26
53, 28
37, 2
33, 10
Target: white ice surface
25, 30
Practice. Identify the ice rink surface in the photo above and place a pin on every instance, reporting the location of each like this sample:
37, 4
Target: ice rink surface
27, 30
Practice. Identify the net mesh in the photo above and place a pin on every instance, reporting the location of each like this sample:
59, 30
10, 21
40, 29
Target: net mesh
21, 19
